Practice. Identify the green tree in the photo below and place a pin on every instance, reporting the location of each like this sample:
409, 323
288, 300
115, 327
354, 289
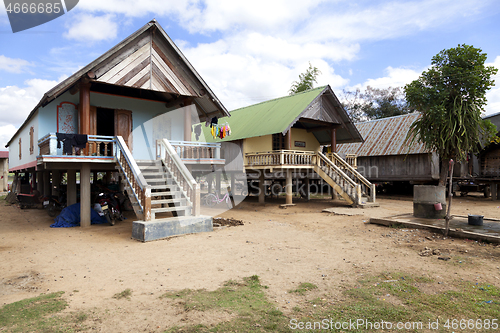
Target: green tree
306, 80
375, 103
451, 96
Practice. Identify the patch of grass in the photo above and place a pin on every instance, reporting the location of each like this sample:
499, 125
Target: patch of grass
40, 314
127, 293
397, 298
246, 299
303, 288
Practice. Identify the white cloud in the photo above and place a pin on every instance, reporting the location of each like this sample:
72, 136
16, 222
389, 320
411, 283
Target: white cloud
14, 65
6, 133
90, 28
17, 102
396, 77
493, 95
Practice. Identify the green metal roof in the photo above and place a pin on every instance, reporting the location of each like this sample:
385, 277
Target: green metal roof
269, 117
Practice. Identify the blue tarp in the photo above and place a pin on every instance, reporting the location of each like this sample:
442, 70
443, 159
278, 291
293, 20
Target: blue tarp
70, 217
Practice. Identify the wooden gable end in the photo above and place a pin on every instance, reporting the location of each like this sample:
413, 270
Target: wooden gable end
147, 62
322, 109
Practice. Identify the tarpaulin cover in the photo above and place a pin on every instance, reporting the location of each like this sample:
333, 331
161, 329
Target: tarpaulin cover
70, 217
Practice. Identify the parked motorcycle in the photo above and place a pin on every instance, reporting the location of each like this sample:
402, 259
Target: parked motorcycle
110, 207
54, 203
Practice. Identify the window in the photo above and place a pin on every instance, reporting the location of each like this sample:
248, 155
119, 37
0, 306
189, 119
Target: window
32, 140
278, 141
20, 155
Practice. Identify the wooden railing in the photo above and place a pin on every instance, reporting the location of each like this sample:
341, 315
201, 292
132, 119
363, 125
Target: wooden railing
350, 159
98, 146
129, 168
181, 175
367, 188
279, 157
346, 183
196, 150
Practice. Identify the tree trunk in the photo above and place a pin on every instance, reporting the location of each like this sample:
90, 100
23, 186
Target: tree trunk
443, 174
450, 196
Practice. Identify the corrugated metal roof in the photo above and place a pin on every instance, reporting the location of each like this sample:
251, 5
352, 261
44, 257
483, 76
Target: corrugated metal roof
384, 137
268, 117
278, 115
4, 154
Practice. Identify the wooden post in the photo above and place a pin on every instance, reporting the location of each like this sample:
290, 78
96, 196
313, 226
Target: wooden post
5, 174
262, 188
46, 183
56, 182
307, 185
197, 199
288, 186
288, 140
187, 121
334, 140
147, 203
84, 110
85, 195
71, 194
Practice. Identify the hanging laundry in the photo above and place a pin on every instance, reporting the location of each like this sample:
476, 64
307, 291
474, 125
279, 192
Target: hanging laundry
214, 121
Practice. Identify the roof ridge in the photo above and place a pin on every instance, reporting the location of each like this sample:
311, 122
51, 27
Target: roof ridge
279, 98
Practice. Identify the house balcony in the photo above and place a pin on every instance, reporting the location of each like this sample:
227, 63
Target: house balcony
102, 149
292, 159
192, 152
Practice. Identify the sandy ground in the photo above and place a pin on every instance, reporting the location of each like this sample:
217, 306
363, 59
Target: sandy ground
284, 247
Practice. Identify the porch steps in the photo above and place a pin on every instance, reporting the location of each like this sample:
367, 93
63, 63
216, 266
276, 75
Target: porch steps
166, 196
347, 182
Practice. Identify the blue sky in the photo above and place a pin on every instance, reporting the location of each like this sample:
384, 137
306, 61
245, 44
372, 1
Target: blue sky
250, 51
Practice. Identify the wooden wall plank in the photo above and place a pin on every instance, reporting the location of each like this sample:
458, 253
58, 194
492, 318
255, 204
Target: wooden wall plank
171, 76
114, 74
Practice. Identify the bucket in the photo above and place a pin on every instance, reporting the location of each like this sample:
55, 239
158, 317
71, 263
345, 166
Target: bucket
438, 206
475, 219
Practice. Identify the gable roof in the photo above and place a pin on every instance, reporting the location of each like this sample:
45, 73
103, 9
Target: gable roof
147, 65
280, 114
384, 137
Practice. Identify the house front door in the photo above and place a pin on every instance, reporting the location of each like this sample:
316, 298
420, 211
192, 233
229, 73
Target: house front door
123, 126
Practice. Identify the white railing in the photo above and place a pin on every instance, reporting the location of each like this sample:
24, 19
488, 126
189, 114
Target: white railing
166, 152
191, 150
129, 168
279, 157
97, 146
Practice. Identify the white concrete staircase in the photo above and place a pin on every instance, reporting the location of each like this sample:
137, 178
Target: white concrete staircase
166, 194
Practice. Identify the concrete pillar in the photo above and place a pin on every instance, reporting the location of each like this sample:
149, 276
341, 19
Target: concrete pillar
217, 182
56, 181
210, 180
85, 195
71, 194
5, 174
494, 191
262, 188
46, 183
307, 189
33, 180
288, 186
233, 187
334, 194
39, 181
109, 175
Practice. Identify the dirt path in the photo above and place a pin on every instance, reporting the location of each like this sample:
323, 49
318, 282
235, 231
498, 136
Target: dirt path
284, 247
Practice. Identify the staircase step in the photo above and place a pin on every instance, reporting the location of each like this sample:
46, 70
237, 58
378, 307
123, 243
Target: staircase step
166, 201
161, 194
169, 209
163, 187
